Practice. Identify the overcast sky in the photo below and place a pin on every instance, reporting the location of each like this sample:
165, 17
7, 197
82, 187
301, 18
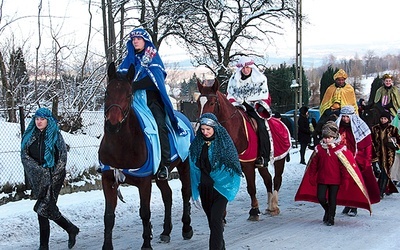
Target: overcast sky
341, 27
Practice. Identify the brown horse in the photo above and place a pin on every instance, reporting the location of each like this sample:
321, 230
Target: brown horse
213, 101
123, 147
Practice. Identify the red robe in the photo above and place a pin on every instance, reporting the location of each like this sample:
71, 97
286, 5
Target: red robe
362, 152
352, 191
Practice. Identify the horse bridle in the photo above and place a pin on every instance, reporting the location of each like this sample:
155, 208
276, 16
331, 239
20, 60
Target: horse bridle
124, 112
218, 106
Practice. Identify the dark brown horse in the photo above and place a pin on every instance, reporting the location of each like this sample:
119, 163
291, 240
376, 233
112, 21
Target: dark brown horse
123, 147
213, 101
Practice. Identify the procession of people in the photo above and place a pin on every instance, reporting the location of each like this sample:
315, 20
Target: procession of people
351, 165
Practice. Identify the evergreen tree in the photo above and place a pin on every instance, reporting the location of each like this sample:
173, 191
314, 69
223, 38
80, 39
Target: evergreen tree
375, 85
17, 79
326, 80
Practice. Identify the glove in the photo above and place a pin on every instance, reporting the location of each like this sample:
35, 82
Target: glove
376, 169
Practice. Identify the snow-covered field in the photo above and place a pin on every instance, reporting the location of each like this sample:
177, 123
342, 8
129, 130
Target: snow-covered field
299, 226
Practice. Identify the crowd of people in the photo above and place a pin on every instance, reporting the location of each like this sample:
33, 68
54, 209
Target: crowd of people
350, 151
351, 165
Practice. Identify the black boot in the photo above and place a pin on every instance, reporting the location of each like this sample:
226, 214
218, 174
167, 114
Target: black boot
331, 221
71, 229
326, 214
162, 173
346, 210
353, 212
44, 228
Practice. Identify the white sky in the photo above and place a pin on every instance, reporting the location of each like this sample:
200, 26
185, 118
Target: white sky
342, 27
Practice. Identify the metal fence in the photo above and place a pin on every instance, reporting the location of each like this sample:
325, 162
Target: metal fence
82, 153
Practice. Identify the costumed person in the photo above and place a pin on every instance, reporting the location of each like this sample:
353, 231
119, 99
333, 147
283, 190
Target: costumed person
150, 77
215, 173
395, 170
356, 135
332, 177
387, 97
304, 133
337, 95
248, 90
385, 139
44, 156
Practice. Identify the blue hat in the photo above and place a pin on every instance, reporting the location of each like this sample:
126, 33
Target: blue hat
140, 32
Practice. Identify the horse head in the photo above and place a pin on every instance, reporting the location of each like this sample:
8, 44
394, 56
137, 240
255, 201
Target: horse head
211, 100
118, 98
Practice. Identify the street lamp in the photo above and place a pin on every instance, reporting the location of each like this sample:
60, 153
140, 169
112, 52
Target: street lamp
295, 86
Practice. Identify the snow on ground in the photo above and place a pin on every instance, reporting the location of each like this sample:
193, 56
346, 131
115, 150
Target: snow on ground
299, 226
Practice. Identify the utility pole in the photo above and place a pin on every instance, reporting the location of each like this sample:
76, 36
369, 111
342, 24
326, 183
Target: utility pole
299, 63
299, 70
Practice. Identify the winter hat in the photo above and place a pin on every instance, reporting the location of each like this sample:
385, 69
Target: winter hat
303, 110
387, 115
330, 129
140, 32
340, 74
245, 61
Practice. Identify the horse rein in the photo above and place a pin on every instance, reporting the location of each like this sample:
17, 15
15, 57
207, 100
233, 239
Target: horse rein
218, 106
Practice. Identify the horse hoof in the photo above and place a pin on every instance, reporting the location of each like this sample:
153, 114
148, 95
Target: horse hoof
165, 238
187, 235
272, 212
254, 218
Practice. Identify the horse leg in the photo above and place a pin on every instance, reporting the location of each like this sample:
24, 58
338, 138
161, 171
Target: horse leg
250, 174
110, 195
166, 194
144, 211
279, 167
184, 176
267, 178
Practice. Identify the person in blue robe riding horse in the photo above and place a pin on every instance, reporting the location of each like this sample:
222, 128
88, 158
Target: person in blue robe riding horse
150, 76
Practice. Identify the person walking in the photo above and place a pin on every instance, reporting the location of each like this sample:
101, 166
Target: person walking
215, 174
304, 133
332, 176
395, 170
385, 139
44, 156
356, 135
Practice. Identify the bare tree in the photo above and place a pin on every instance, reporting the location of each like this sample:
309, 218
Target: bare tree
215, 32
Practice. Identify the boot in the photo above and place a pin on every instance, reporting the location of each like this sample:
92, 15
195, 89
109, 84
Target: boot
162, 173
44, 228
353, 212
346, 210
331, 221
71, 229
326, 214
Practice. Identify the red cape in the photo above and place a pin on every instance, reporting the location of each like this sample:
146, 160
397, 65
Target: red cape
352, 194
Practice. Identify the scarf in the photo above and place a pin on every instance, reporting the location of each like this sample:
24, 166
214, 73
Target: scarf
51, 135
223, 154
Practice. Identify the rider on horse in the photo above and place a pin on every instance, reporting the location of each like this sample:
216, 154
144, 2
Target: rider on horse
387, 97
150, 76
337, 95
248, 89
